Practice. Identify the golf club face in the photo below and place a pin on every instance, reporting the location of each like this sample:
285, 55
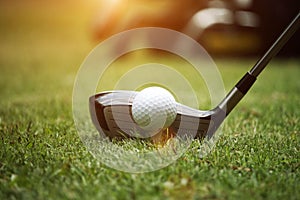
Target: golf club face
111, 115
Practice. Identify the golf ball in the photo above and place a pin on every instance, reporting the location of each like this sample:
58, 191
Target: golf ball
154, 109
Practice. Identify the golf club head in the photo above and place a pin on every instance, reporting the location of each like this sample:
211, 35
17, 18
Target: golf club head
111, 115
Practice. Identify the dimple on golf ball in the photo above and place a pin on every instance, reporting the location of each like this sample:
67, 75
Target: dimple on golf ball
154, 109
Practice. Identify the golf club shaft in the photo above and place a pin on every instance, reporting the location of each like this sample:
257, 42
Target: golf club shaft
242, 87
276, 47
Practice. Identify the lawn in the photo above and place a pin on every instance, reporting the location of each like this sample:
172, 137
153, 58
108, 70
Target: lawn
42, 157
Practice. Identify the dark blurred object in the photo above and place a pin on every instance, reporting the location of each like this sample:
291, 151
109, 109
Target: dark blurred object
228, 27
275, 16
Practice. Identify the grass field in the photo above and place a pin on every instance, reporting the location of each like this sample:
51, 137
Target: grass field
42, 157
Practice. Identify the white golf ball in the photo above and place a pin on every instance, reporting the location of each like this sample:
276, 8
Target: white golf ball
154, 109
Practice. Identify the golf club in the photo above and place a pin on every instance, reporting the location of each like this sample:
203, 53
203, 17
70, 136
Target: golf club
111, 111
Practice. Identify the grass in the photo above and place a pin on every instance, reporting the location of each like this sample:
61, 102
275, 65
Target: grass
42, 156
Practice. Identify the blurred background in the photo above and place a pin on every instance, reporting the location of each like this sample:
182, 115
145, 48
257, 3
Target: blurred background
223, 27
51, 38
70, 29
